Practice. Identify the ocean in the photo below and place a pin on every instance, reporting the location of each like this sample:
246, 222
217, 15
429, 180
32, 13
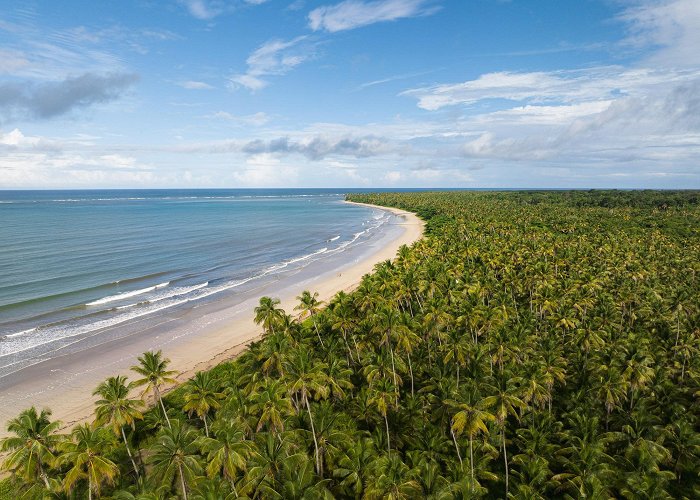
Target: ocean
76, 263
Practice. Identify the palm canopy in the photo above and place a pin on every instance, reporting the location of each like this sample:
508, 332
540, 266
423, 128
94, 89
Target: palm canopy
154, 373
202, 396
268, 314
32, 446
115, 408
85, 454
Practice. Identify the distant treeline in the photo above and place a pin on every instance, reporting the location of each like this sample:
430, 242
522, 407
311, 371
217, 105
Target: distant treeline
614, 198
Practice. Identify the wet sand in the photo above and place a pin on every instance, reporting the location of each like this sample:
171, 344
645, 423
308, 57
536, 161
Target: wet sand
194, 339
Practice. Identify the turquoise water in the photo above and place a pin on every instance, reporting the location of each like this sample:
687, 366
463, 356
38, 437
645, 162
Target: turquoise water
75, 262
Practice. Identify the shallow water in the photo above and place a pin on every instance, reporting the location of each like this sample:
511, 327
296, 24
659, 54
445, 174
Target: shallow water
75, 263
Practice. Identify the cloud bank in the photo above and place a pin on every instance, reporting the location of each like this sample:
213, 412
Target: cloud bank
51, 99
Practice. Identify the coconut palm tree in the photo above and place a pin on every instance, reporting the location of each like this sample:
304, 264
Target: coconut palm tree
391, 478
272, 404
307, 379
202, 396
85, 453
268, 314
174, 453
504, 403
228, 451
382, 397
310, 305
470, 420
32, 447
117, 410
154, 373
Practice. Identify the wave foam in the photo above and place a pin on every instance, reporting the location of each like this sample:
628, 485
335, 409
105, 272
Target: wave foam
126, 295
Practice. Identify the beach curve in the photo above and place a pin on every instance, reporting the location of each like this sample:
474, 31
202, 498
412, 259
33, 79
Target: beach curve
65, 384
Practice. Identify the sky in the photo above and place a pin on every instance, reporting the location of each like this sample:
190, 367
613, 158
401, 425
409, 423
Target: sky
350, 93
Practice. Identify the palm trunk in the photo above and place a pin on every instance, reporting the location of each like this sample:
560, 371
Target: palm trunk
206, 427
505, 456
313, 432
128, 450
454, 439
393, 371
182, 482
160, 399
347, 346
410, 369
388, 440
357, 348
89, 487
44, 476
471, 457
233, 487
317, 333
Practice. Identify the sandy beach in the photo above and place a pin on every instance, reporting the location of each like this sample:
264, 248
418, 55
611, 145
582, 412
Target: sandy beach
194, 340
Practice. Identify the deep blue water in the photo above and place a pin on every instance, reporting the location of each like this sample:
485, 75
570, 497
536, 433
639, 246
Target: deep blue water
76, 261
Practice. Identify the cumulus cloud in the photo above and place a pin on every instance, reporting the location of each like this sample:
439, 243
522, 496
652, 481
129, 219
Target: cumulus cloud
47, 100
313, 147
352, 14
319, 147
275, 57
28, 164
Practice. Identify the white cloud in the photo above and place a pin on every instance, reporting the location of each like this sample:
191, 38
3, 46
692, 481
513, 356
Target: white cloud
565, 86
194, 85
202, 9
352, 14
393, 176
273, 58
29, 169
672, 27
266, 170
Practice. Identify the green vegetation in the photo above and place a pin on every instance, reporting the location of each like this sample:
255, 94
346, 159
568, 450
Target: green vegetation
532, 345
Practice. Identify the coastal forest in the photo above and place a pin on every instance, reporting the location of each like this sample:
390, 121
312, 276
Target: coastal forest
534, 344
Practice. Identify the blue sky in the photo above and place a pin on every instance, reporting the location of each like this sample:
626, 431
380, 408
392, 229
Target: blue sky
362, 93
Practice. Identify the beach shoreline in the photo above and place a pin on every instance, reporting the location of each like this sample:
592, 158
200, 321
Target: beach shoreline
65, 384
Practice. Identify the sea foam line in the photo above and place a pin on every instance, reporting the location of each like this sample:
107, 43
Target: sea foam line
126, 295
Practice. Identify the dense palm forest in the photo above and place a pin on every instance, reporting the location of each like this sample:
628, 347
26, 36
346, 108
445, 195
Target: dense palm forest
532, 345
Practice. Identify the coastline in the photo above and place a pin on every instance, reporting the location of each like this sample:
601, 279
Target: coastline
65, 384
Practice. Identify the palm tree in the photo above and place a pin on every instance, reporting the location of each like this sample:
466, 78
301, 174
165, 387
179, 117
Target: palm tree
472, 420
85, 454
353, 467
228, 451
117, 410
504, 403
382, 397
174, 452
272, 404
310, 304
33, 446
154, 371
391, 479
201, 397
308, 379
268, 313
